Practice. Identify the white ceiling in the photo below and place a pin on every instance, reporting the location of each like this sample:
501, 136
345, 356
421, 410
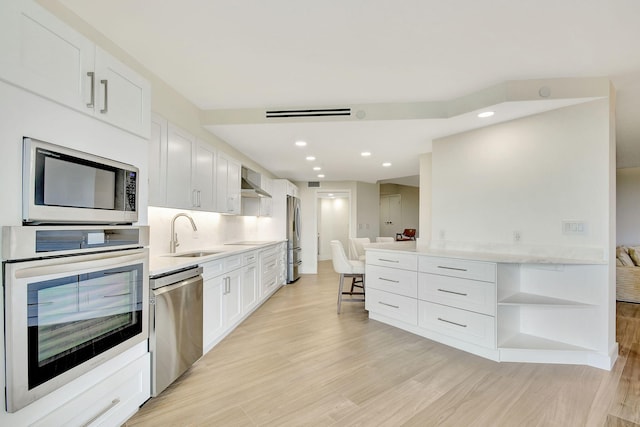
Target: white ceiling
253, 54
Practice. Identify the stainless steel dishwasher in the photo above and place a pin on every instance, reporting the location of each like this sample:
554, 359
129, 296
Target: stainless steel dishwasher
175, 325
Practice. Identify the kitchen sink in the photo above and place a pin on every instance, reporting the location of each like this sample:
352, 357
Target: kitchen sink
195, 254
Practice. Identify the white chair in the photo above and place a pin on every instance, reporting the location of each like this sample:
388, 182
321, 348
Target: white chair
347, 268
357, 247
385, 239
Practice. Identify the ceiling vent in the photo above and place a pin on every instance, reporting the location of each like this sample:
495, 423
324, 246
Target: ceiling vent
314, 184
325, 112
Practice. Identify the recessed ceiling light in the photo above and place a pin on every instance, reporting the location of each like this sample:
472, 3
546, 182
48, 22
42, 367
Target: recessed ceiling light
386, 164
311, 158
486, 114
330, 194
301, 143
321, 175
317, 168
365, 154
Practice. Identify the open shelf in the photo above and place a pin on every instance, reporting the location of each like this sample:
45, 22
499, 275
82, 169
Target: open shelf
523, 298
529, 342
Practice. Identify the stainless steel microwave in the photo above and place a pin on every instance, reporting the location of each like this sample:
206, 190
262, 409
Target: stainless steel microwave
65, 186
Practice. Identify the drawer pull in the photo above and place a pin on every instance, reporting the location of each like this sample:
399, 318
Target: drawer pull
388, 305
388, 280
453, 323
452, 292
452, 268
388, 260
113, 403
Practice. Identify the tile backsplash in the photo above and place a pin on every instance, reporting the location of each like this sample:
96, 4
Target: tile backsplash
213, 229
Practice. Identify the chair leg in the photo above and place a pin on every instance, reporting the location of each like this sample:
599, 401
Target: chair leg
340, 292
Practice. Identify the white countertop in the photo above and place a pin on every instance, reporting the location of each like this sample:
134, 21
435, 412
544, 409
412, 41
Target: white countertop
165, 263
512, 258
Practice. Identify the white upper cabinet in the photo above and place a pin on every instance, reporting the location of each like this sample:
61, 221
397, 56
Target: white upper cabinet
181, 168
42, 54
180, 153
204, 174
123, 96
228, 185
158, 161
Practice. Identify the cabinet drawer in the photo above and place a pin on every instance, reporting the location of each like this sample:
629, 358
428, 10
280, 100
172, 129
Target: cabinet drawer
401, 282
464, 325
232, 262
392, 259
467, 294
249, 258
212, 268
477, 270
110, 402
391, 305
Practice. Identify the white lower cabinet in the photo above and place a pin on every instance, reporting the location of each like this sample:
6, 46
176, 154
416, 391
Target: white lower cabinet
459, 324
232, 290
109, 403
504, 311
397, 307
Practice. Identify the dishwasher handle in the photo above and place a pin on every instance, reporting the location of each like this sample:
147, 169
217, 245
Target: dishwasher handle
156, 282
176, 285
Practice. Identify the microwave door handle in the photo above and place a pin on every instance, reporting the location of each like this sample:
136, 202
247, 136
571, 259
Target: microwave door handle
89, 263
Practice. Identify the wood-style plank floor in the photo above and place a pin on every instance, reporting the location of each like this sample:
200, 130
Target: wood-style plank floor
296, 362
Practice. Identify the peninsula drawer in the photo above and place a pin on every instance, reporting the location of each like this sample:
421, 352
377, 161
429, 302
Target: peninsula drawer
476, 270
467, 294
401, 282
392, 259
394, 306
464, 325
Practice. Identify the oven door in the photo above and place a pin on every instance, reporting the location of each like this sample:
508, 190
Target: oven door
66, 315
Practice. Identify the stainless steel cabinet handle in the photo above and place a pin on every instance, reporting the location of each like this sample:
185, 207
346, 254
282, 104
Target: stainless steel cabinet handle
389, 280
92, 75
199, 199
105, 110
452, 268
388, 305
113, 403
194, 198
453, 323
452, 292
388, 260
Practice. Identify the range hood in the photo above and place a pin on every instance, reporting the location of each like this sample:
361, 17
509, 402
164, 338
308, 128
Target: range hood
251, 184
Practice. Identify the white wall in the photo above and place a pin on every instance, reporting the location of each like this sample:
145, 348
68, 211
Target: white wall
426, 166
527, 175
628, 207
368, 211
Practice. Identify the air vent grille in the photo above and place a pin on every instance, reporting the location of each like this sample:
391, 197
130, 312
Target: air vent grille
325, 112
314, 184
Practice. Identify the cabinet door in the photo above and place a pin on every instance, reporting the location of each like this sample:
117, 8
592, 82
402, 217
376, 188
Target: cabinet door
249, 287
42, 54
204, 165
233, 298
228, 185
158, 161
180, 144
123, 97
213, 310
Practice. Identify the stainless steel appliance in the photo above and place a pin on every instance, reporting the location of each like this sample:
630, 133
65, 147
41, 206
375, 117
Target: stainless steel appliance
175, 336
75, 296
293, 239
61, 185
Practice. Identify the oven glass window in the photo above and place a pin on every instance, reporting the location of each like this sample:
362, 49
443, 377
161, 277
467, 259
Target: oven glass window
74, 318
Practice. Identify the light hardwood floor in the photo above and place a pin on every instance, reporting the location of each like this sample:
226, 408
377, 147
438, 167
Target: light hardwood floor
296, 362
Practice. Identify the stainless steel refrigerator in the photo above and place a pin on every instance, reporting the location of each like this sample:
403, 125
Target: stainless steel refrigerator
293, 239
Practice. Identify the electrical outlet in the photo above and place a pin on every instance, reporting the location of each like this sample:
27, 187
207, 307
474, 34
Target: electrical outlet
517, 236
442, 234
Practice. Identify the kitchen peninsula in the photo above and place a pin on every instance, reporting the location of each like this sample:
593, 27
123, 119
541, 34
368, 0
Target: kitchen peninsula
501, 306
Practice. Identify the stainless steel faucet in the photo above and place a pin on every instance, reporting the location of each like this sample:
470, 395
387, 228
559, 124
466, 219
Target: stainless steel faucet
173, 243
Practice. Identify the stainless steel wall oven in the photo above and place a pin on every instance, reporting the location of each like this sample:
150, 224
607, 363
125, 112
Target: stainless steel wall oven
75, 296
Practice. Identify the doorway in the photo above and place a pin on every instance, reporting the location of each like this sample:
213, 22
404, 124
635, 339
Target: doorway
390, 214
334, 220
